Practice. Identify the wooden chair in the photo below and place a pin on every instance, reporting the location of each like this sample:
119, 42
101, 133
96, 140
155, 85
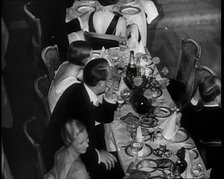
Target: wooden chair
41, 86
30, 130
50, 56
102, 40
184, 86
35, 25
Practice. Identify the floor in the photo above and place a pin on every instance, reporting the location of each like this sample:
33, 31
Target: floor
22, 70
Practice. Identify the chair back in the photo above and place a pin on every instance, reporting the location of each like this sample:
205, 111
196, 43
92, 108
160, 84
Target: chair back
41, 86
36, 29
33, 21
102, 40
50, 56
30, 130
186, 73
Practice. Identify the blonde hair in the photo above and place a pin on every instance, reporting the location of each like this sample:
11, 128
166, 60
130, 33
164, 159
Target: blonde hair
71, 130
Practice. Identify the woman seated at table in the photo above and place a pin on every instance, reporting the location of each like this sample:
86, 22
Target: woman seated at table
70, 71
67, 161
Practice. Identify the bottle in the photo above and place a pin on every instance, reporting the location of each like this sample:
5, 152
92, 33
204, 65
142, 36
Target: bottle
181, 162
131, 69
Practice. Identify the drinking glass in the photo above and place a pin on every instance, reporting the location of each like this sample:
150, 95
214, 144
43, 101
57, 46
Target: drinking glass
132, 128
122, 45
136, 146
197, 170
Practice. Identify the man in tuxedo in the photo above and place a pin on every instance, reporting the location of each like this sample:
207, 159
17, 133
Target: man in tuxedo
80, 100
204, 123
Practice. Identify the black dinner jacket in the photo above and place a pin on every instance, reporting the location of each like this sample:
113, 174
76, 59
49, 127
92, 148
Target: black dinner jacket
75, 103
202, 124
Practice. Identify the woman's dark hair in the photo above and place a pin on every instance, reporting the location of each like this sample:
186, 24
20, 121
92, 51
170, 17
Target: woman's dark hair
71, 130
78, 51
209, 88
107, 2
95, 70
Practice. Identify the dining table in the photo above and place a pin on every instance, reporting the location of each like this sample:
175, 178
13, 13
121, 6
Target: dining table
120, 138
139, 12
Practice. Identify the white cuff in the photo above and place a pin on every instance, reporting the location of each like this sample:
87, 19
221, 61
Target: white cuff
99, 160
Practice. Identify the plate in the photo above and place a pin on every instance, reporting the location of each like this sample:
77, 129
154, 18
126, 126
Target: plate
147, 165
180, 136
156, 177
85, 8
130, 10
147, 150
164, 163
128, 118
126, 1
163, 112
148, 122
194, 154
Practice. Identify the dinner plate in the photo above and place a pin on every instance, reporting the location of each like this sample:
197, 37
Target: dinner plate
85, 8
130, 10
193, 154
147, 150
147, 165
164, 163
156, 177
126, 1
148, 122
180, 136
163, 112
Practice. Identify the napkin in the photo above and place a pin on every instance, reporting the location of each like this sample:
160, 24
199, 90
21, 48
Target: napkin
139, 136
109, 140
187, 172
169, 126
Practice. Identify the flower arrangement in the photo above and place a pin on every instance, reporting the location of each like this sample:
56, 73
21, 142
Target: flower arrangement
147, 87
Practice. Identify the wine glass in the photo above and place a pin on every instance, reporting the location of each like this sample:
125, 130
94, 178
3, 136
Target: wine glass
132, 128
197, 170
136, 146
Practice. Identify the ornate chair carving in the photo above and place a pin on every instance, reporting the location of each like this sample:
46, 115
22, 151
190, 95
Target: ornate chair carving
35, 25
50, 56
30, 130
41, 86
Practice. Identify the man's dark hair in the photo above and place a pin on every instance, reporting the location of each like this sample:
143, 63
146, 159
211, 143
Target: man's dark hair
95, 70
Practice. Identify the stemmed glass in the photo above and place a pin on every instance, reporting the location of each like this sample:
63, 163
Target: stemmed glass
136, 146
197, 170
132, 128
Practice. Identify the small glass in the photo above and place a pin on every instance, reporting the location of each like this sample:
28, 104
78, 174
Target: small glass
132, 128
122, 45
197, 170
136, 146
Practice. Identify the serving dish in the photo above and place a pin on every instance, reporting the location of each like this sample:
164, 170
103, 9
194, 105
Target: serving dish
159, 153
148, 122
147, 150
164, 163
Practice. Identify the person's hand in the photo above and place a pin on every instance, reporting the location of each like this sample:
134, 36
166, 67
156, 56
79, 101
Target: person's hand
108, 159
109, 91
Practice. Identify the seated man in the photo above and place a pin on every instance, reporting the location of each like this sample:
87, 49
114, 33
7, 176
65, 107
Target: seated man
80, 100
205, 124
